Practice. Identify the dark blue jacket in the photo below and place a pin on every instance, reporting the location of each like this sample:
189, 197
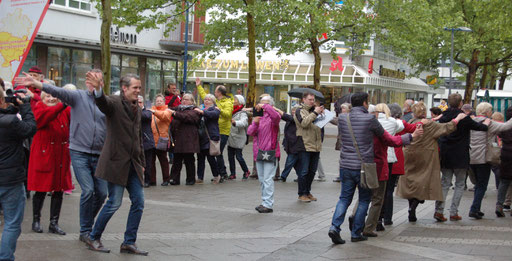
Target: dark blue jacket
211, 120
290, 144
12, 133
147, 134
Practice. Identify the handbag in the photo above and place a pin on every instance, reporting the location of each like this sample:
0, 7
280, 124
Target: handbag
369, 179
266, 155
493, 153
162, 143
214, 144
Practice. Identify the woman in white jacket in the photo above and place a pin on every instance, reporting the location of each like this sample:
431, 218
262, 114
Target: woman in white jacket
238, 137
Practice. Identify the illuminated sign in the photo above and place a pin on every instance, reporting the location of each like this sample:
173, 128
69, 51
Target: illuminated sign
241, 64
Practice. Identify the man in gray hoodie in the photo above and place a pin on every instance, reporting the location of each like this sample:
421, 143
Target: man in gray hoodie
86, 137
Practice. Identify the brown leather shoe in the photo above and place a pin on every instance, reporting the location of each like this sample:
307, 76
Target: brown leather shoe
133, 249
96, 245
455, 218
304, 198
439, 217
311, 197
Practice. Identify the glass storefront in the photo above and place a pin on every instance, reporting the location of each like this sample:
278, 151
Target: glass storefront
159, 74
121, 65
30, 61
69, 66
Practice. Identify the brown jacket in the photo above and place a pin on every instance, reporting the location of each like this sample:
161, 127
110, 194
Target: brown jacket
185, 130
123, 143
422, 178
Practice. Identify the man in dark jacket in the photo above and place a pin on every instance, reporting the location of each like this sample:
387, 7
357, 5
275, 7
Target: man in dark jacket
455, 156
148, 141
290, 145
12, 169
121, 162
86, 137
365, 126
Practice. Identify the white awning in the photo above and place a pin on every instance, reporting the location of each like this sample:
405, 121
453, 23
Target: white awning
302, 74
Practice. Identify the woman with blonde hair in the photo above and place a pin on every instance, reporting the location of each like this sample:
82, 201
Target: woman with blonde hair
479, 155
421, 180
160, 126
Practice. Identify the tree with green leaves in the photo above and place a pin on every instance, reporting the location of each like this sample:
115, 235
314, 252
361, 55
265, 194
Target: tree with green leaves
415, 31
299, 25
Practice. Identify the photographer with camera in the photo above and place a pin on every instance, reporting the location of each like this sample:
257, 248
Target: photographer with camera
12, 190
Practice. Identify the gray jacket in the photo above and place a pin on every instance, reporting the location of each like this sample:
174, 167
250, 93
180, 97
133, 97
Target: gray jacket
238, 135
480, 139
365, 126
87, 128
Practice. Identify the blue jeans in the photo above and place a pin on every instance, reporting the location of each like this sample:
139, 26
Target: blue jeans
291, 162
94, 190
115, 198
350, 179
232, 153
482, 174
220, 159
12, 200
266, 172
308, 162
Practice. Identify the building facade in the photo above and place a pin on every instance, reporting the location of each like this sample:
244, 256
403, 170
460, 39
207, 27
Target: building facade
68, 45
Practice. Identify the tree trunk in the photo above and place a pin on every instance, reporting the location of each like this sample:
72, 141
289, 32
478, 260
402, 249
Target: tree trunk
106, 17
251, 30
494, 76
503, 75
483, 79
315, 46
471, 76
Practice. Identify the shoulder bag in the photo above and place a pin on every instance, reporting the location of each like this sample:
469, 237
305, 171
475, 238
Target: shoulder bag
493, 153
214, 145
369, 179
163, 143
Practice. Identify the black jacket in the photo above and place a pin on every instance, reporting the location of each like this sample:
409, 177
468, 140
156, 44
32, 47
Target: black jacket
455, 147
290, 144
506, 155
12, 133
147, 134
211, 123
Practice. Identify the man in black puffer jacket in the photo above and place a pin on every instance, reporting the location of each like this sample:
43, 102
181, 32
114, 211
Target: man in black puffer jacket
455, 156
12, 169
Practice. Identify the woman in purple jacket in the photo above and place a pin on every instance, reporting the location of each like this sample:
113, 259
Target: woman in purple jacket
266, 150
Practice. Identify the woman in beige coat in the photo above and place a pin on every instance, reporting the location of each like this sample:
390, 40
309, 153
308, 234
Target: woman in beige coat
422, 178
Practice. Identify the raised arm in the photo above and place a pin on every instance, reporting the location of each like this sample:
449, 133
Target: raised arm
287, 117
273, 114
104, 103
305, 119
408, 127
67, 96
497, 127
26, 127
45, 114
253, 128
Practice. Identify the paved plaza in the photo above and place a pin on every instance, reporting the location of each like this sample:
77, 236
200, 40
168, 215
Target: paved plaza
218, 222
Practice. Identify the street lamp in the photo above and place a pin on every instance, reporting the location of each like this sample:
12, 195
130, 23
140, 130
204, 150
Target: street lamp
463, 29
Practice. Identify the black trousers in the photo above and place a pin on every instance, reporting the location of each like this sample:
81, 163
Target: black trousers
190, 166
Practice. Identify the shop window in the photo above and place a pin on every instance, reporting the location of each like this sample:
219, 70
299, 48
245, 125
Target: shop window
69, 66
159, 74
30, 61
84, 5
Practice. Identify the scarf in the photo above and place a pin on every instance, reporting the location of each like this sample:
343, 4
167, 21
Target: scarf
237, 108
185, 107
133, 104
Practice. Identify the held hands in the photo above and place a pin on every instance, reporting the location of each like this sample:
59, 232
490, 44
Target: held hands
198, 110
418, 132
28, 81
94, 80
487, 121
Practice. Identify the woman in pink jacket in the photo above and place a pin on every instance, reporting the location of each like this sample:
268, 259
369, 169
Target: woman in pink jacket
266, 150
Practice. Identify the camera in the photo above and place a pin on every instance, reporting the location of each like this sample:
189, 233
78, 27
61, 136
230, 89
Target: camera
11, 96
257, 113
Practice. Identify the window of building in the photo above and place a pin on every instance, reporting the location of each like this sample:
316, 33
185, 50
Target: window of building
69, 66
31, 60
84, 5
121, 65
159, 74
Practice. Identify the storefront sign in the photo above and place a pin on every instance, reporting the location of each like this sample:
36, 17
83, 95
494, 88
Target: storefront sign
241, 64
121, 37
392, 73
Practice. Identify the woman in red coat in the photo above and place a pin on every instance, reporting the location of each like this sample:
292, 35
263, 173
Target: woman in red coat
49, 163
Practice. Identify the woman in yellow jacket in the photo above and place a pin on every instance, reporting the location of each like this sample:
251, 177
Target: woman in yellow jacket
160, 125
225, 105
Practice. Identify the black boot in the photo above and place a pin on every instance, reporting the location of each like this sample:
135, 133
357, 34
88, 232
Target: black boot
37, 205
55, 207
413, 204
